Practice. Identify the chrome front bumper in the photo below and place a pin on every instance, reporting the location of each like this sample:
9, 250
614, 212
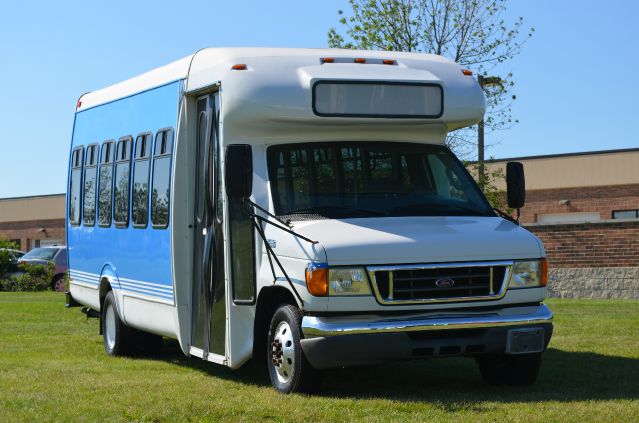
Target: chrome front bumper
331, 326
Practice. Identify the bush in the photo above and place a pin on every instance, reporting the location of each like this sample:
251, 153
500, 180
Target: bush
37, 277
5, 256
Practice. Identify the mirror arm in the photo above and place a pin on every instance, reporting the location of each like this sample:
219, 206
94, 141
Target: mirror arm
265, 220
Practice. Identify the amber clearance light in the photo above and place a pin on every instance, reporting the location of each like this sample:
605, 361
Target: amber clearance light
317, 281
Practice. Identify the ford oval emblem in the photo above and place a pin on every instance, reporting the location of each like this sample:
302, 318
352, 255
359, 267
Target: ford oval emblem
444, 283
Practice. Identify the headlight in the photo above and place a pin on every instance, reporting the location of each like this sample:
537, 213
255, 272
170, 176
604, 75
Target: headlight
344, 281
529, 274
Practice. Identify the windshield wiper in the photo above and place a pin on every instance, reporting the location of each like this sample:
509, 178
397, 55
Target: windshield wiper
320, 210
426, 206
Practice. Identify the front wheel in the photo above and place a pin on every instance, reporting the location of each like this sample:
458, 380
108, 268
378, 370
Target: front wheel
518, 370
289, 369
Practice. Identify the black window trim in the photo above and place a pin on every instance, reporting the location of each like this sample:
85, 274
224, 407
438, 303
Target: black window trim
71, 169
84, 171
100, 165
134, 160
152, 176
626, 210
375, 115
116, 161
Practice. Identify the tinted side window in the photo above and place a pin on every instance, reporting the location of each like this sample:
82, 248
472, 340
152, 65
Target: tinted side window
90, 179
122, 182
141, 167
160, 194
75, 185
105, 187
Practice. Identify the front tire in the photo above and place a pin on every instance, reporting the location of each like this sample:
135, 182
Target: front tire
117, 337
288, 367
514, 370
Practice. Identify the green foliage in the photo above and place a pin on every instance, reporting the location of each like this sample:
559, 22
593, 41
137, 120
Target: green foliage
488, 183
6, 256
473, 33
33, 277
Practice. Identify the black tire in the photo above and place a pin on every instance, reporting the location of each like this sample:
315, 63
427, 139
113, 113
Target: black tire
117, 337
514, 370
58, 284
288, 367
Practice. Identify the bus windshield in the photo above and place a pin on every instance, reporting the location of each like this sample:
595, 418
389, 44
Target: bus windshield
371, 179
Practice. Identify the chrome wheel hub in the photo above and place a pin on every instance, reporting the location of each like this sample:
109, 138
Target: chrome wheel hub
109, 323
283, 352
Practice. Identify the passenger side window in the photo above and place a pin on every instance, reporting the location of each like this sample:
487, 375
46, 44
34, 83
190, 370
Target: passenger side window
141, 167
160, 194
75, 185
105, 187
122, 182
90, 179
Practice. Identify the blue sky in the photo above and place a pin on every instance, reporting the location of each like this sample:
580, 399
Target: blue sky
577, 79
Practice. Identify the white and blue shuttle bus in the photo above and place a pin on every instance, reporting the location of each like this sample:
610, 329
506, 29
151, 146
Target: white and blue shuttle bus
299, 207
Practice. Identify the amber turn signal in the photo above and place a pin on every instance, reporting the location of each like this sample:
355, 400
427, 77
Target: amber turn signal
544, 272
317, 281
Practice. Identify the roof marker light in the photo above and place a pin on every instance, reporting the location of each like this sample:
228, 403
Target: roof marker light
78, 104
240, 66
389, 62
360, 60
327, 60
467, 72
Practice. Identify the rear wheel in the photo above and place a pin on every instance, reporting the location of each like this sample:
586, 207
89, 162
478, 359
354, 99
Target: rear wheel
59, 284
289, 369
118, 338
518, 370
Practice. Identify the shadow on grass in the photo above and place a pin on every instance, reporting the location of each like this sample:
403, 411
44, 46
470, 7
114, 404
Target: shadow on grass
454, 383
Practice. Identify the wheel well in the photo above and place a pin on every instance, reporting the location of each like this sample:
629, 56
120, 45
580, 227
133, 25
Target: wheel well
268, 300
105, 287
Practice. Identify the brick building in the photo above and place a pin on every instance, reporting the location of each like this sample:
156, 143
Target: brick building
33, 221
585, 208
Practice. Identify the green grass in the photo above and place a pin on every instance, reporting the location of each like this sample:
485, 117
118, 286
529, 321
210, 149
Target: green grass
53, 368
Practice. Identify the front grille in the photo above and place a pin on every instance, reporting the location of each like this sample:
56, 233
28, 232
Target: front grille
439, 283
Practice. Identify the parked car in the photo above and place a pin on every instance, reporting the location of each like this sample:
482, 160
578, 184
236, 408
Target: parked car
14, 256
45, 255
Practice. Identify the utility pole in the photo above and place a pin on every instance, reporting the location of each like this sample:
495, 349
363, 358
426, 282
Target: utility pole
483, 81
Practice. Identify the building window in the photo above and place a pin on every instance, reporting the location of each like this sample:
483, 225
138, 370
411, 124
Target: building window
141, 167
567, 218
160, 194
105, 188
90, 176
122, 182
625, 214
75, 185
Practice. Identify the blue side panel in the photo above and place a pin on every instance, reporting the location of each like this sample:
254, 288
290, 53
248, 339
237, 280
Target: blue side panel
139, 258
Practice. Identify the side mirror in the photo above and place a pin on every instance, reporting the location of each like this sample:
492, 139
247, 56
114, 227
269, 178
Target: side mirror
515, 185
239, 171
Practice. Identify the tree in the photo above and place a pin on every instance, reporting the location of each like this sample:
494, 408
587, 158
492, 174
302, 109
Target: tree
473, 33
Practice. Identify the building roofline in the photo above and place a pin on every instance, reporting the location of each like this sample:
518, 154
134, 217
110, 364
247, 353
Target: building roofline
26, 197
552, 156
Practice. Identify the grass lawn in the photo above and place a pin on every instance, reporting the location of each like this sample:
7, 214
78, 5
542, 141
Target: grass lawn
53, 368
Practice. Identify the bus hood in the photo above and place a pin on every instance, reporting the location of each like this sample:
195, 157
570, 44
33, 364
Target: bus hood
394, 240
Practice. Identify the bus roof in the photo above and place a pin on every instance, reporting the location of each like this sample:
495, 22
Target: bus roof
289, 68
